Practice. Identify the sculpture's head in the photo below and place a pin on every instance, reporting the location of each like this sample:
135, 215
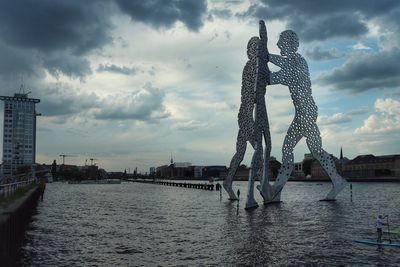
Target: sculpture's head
288, 42
252, 47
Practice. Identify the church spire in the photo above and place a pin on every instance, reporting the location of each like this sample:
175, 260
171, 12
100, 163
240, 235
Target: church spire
172, 160
341, 153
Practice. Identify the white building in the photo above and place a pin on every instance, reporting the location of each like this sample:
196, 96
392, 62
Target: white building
19, 132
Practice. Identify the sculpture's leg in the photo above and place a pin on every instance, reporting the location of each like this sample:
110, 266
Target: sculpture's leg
293, 136
327, 163
259, 172
338, 182
265, 187
251, 203
314, 143
241, 144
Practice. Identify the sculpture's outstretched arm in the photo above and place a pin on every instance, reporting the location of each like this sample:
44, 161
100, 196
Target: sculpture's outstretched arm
263, 49
277, 60
277, 77
263, 31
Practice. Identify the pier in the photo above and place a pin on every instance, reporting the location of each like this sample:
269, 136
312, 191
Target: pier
176, 184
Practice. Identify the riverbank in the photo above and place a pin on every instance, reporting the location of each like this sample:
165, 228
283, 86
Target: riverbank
14, 220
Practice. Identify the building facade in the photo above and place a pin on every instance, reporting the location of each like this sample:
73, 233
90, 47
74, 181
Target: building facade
362, 168
19, 132
298, 171
152, 170
370, 166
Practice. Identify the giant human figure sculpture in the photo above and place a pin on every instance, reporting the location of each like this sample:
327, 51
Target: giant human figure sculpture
294, 74
252, 130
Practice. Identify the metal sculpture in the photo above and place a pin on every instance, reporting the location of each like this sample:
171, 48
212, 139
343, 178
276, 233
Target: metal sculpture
294, 74
245, 116
252, 130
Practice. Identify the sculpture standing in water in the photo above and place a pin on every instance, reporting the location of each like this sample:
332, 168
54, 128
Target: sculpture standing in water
253, 129
295, 75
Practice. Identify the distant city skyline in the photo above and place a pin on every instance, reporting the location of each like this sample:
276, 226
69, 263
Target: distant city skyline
130, 82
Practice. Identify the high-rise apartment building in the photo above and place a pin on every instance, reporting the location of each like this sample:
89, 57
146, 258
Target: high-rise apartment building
19, 132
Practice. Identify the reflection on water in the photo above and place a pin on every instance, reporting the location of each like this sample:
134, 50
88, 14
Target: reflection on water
132, 224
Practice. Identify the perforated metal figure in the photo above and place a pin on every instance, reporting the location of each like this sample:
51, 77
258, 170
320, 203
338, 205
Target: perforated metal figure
294, 74
261, 125
252, 129
245, 115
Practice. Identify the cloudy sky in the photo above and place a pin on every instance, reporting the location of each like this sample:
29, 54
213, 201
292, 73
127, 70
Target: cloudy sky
130, 82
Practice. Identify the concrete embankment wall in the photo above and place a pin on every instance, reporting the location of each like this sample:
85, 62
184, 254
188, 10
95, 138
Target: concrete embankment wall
13, 222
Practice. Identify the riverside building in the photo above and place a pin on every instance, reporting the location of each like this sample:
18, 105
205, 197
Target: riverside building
19, 132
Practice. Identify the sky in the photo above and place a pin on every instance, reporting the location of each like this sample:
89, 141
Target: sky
129, 83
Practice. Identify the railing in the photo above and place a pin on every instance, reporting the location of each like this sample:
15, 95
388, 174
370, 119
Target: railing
7, 190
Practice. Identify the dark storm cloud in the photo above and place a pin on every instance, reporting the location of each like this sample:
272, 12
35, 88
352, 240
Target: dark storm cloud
57, 100
146, 104
67, 64
160, 13
314, 20
57, 32
330, 26
317, 54
54, 25
364, 71
116, 69
14, 62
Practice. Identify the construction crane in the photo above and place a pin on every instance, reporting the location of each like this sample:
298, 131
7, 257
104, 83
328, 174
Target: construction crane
63, 157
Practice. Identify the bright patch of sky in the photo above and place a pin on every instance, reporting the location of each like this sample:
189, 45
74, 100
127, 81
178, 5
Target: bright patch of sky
148, 80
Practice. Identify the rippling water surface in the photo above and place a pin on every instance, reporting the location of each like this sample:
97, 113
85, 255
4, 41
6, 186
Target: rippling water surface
134, 224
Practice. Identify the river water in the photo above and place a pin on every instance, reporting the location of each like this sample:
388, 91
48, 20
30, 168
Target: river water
134, 224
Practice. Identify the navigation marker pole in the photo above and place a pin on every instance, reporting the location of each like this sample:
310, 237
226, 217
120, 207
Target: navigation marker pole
351, 192
237, 207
